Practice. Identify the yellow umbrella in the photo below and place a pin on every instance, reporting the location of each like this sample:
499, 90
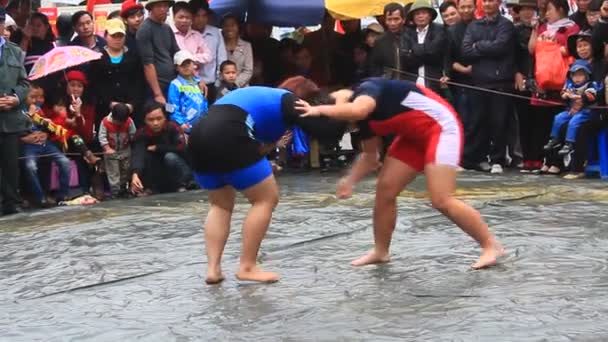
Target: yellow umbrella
356, 9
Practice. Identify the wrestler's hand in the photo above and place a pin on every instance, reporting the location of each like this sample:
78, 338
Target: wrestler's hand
285, 139
344, 189
306, 109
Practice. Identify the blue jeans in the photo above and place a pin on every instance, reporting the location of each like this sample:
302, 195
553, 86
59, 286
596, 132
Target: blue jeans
574, 122
165, 173
31, 153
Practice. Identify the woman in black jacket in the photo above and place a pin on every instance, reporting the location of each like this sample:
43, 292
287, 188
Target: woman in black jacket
117, 76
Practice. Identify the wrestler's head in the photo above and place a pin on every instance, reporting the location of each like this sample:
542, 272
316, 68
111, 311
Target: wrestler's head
323, 129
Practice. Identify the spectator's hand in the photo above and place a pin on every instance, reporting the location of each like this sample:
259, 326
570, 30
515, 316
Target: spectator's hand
160, 99
76, 105
520, 82
535, 22
266, 148
32, 110
444, 82
42, 137
576, 106
8, 102
604, 10
186, 126
285, 139
203, 87
136, 186
468, 70
30, 139
152, 148
344, 189
307, 109
108, 151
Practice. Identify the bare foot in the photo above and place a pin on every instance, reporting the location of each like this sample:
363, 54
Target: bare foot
214, 276
258, 275
488, 256
371, 257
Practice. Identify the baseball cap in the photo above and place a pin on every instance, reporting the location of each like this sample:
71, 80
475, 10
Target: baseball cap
114, 26
182, 56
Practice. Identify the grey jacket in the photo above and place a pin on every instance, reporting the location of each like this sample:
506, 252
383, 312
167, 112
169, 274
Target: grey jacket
243, 58
13, 81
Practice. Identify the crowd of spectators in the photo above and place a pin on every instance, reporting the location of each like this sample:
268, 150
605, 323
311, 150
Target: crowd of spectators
118, 126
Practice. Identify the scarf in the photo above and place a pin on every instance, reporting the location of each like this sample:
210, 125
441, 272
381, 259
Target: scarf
564, 22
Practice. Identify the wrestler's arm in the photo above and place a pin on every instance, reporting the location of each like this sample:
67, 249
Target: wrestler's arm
366, 162
357, 110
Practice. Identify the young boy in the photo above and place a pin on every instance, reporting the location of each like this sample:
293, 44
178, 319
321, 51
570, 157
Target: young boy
115, 135
185, 102
580, 92
36, 143
227, 81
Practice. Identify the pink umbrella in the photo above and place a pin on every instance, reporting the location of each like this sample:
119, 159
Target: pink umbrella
61, 58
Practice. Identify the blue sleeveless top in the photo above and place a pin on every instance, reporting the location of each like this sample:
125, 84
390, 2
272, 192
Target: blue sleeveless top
264, 107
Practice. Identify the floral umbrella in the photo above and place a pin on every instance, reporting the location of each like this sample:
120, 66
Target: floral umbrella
62, 58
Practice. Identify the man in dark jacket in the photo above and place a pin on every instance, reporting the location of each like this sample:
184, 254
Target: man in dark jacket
580, 16
423, 50
386, 51
13, 91
489, 45
157, 162
460, 69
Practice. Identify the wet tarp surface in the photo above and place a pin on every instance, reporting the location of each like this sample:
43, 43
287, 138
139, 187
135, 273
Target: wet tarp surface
134, 270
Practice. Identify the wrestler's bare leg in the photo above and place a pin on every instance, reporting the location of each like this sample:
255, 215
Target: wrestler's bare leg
394, 177
263, 197
217, 229
441, 183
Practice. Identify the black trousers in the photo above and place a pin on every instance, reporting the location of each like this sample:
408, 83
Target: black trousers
9, 170
535, 127
486, 131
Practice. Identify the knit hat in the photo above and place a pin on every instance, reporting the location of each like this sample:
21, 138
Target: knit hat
580, 64
76, 75
9, 22
130, 7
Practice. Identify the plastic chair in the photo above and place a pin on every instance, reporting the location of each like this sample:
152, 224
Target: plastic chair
54, 185
599, 163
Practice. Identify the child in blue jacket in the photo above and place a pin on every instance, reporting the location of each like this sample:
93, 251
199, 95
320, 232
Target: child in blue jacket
581, 92
185, 101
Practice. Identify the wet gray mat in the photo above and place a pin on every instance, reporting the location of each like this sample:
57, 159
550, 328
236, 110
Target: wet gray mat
134, 270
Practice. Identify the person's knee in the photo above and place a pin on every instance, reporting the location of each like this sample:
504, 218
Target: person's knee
63, 163
31, 165
386, 191
441, 202
171, 158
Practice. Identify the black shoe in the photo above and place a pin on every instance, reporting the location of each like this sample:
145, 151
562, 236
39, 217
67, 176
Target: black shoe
566, 149
552, 144
11, 211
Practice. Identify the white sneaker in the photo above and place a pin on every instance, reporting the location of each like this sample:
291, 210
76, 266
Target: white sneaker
496, 169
